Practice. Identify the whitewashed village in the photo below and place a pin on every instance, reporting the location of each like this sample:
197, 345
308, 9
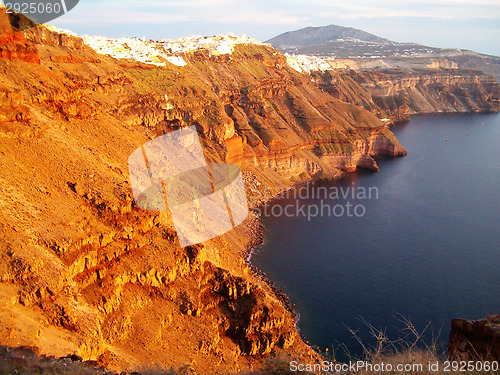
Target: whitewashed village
155, 53
160, 53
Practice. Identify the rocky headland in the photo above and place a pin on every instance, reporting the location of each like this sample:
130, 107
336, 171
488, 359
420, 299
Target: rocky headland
395, 95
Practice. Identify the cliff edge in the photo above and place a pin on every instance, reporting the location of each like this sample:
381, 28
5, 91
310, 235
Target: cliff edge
84, 271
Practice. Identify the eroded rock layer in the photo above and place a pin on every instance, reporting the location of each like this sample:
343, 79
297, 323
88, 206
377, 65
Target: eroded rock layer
83, 270
395, 95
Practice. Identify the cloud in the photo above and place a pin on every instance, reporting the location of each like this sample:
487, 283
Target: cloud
179, 3
272, 13
262, 19
150, 12
439, 9
122, 18
258, 18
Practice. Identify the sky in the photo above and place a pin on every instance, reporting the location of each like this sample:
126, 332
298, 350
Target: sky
468, 24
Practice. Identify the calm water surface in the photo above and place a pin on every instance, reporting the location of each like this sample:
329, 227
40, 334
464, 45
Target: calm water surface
427, 249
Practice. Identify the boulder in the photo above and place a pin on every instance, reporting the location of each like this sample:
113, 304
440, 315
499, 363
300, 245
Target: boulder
475, 340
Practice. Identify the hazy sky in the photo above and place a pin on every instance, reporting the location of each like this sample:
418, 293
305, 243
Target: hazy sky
442, 23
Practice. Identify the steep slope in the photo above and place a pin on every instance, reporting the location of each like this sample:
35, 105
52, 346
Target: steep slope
395, 95
83, 270
392, 84
13, 45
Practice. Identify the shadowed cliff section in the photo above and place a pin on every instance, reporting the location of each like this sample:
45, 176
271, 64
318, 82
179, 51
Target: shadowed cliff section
475, 340
395, 95
395, 80
83, 270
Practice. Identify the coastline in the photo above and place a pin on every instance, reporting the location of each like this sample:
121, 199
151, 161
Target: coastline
476, 123
256, 229
257, 232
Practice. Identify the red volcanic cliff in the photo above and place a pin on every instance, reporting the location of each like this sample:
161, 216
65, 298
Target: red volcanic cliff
395, 95
13, 45
85, 271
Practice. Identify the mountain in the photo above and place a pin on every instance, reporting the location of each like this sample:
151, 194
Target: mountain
344, 42
315, 36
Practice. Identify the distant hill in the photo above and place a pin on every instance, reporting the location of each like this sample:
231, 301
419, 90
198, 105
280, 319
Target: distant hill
345, 42
315, 36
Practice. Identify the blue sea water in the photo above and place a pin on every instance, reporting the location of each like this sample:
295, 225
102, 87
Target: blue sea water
427, 248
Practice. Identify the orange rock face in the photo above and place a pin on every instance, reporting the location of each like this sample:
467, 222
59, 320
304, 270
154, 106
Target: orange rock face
85, 271
396, 95
13, 45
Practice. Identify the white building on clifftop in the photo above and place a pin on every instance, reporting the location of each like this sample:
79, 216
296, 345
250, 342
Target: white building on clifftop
156, 53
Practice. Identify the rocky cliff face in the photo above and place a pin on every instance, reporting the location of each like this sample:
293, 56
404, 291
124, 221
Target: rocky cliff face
82, 269
395, 95
475, 340
13, 45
